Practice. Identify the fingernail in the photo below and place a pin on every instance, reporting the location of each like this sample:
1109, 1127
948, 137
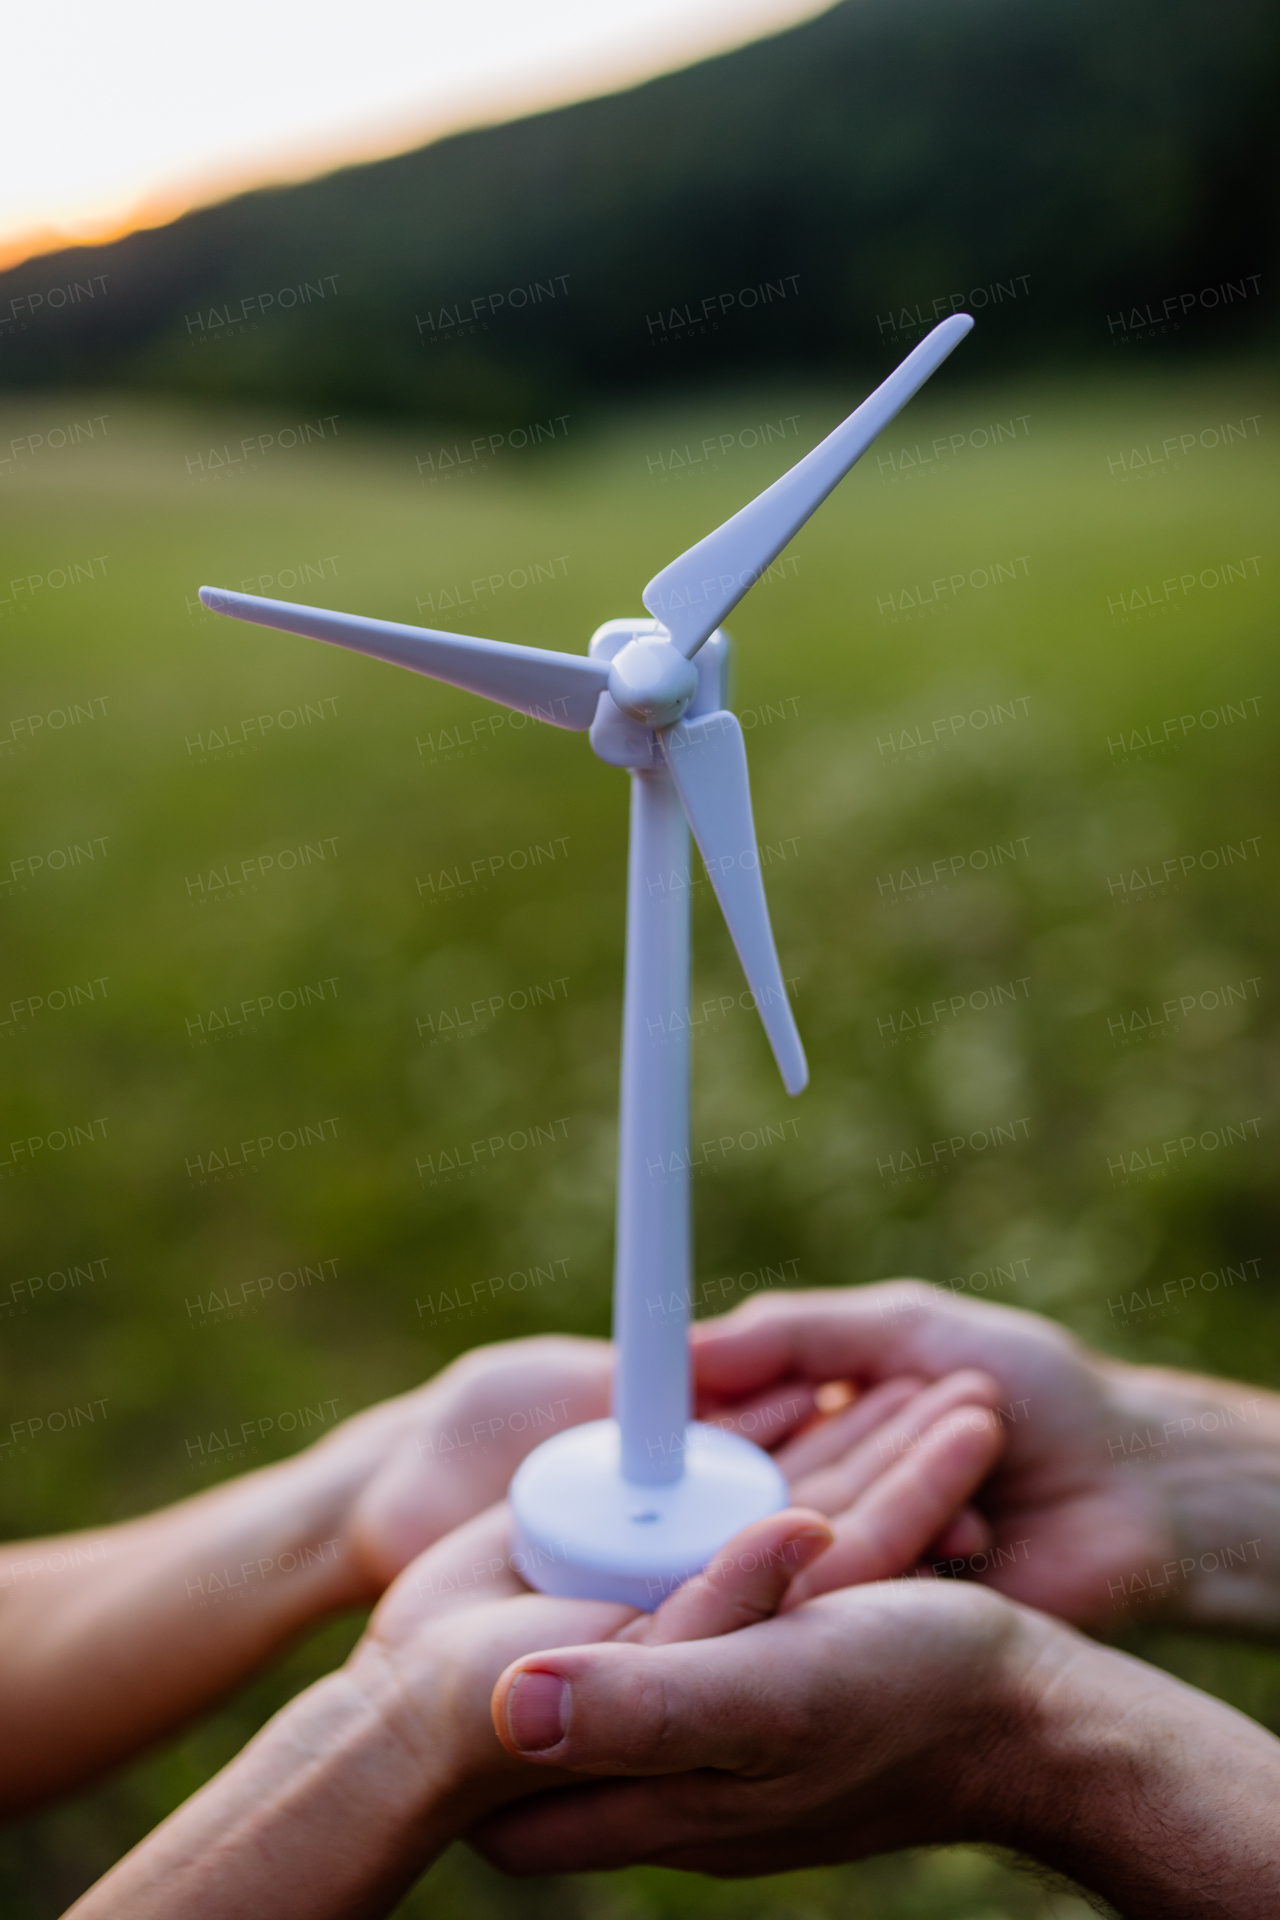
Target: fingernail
537, 1711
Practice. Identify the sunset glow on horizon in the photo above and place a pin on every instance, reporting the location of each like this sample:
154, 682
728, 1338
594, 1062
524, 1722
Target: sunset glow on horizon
159, 111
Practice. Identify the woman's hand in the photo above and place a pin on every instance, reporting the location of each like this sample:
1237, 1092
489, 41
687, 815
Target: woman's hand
437, 1456
433, 1458
115, 1637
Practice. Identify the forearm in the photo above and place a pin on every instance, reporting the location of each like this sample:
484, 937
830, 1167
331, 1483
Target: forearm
329, 1814
1208, 1453
112, 1638
1141, 1789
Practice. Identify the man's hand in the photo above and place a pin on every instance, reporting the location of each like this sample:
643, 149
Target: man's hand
1118, 1487
867, 1719
904, 1714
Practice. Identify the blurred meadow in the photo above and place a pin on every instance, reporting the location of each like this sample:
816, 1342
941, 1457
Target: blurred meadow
1011, 702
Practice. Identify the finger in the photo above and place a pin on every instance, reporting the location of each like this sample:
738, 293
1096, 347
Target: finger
680, 1823
832, 1489
885, 1532
967, 1534
828, 1439
589, 1829
867, 1333
742, 1585
618, 1823
623, 1708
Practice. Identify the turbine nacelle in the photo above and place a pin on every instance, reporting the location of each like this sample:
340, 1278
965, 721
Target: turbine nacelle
619, 738
651, 681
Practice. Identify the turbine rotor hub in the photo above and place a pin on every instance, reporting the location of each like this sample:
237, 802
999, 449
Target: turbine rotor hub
652, 682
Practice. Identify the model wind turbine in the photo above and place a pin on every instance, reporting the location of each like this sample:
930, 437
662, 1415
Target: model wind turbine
627, 1508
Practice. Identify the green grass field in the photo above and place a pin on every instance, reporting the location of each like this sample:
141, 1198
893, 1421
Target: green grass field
1012, 710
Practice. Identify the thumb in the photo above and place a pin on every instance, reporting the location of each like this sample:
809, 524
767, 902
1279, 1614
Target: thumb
624, 1708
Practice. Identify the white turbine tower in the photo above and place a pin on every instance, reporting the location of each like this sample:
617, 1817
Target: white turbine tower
625, 1509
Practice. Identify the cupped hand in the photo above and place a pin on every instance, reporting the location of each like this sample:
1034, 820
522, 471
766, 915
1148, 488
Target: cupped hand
428, 1461
431, 1459
460, 1613
883, 1486
1067, 1526
894, 1472
444, 1452
867, 1719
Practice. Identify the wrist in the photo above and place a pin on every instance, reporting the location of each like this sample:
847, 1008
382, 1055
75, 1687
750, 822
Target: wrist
1137, 1787
282, 1538
1205, 1454
275, 1828
431, 1696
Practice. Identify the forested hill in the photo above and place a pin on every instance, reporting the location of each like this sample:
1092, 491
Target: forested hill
812, 199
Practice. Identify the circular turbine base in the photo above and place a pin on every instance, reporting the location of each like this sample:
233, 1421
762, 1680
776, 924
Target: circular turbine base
585, 1533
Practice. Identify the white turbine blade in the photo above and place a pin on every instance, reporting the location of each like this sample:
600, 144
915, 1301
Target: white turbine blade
693, 594
707, 759
561, 688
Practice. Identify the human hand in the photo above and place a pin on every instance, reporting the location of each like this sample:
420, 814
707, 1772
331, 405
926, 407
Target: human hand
452, 1621
113, 1639
106, 1651
901, 1474
342, 1800
406, 1472
423, 1463
899, 1714
894, 1474
437, 1456
1114, 1481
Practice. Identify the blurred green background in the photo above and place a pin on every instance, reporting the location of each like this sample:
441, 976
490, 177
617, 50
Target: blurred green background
837, 675
1032, 639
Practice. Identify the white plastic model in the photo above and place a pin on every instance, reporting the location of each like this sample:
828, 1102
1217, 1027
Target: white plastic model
627, 1508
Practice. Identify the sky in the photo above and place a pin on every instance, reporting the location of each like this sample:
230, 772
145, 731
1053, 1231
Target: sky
121, 115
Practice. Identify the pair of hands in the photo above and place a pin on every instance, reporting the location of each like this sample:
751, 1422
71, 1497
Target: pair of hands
878, 1715
1065, 1522
812, 1737
796, 1704
449, 1449
876, 1487
337, 1805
